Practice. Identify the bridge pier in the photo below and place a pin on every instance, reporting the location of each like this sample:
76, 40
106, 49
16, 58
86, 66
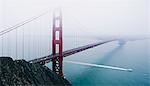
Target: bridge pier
121, 42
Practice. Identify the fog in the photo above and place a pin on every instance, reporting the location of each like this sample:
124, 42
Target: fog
85, 17
82, 18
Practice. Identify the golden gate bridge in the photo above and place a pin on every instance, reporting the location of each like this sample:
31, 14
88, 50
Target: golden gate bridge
57, 43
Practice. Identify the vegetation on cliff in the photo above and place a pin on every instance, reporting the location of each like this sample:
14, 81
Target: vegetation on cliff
21, 72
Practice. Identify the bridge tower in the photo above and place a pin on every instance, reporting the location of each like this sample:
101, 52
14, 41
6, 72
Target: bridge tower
57, 44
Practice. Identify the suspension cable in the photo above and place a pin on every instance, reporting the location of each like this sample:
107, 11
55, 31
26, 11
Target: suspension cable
83, 27
21, 24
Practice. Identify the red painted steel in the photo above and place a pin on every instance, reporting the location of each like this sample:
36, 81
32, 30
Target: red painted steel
57, 44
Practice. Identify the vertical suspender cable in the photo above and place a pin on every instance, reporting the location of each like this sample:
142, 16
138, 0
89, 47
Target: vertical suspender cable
39, 45
16, 44
33, 43
39, 53
23, 43
40, 37
37, 40
2, 45
8, 46
29, 43
15, 27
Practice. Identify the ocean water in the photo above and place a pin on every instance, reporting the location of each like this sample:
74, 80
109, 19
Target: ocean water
133, 55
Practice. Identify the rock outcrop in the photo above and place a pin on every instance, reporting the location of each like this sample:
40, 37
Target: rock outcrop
21, 72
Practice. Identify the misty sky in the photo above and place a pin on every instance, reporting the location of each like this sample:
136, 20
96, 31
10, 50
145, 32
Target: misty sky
94, 17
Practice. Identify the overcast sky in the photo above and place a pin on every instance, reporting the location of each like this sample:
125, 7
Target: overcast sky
94, 17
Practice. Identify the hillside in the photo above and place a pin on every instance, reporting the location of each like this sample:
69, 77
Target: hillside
20, 72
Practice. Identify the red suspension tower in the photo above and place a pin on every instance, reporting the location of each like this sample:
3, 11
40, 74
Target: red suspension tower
57, 44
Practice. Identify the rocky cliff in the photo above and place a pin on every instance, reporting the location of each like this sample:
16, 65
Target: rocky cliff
20, 72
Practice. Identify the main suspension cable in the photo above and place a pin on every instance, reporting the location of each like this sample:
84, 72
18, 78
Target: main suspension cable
21, 24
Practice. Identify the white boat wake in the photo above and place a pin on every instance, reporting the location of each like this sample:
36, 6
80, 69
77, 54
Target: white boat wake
100, 66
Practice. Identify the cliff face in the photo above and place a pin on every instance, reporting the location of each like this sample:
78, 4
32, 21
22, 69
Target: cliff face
20, 72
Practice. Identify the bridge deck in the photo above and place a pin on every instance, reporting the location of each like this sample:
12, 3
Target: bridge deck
47, 59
